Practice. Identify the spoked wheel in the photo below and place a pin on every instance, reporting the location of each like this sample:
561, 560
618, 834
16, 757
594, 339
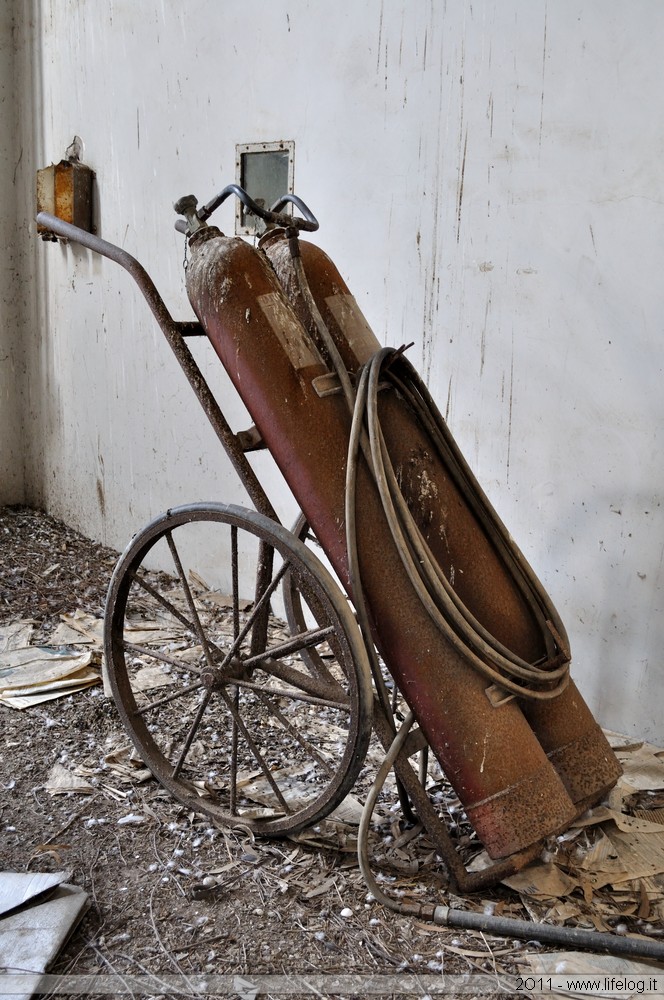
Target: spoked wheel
216, 693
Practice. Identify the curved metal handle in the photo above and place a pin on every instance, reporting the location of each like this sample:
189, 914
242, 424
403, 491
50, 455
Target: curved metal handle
275, 216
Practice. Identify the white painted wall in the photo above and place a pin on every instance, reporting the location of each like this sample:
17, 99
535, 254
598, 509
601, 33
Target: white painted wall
489, 179
12, 293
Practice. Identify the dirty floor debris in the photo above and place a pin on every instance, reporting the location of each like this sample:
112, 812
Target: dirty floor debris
172, 895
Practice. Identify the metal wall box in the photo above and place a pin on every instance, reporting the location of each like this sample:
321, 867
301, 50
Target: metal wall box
265, 171
65, 190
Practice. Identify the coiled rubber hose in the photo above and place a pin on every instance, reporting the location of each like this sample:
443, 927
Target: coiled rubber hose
542, 680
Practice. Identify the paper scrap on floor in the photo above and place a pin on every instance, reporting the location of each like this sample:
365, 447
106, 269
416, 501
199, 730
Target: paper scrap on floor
30, 675
608, 868
35, 929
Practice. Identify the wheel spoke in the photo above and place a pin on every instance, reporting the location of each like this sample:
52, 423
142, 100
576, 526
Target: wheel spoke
157, 654
192, 732
301, 641
258, 607
304, 682
304, 743
202, 638
172, 609
294, 694
165, 603
323, 685
234, 765
180, 693
260, 760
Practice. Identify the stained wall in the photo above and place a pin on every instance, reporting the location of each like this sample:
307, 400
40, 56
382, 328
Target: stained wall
488, 178
12, 292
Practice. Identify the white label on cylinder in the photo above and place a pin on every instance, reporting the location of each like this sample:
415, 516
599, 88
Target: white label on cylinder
289, 331
351, 321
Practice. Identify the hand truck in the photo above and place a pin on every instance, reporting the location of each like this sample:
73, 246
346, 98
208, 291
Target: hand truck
401, 592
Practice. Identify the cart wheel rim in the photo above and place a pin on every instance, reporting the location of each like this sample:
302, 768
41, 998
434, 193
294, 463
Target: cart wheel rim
242, 725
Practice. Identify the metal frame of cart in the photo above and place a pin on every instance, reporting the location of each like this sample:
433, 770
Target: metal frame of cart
253, 693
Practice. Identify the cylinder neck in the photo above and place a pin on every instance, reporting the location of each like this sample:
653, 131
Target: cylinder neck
204, 234
270, 237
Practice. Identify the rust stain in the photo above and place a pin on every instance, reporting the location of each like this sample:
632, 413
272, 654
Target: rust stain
380, 37
484, 328
541, 124
461, 179
462, 166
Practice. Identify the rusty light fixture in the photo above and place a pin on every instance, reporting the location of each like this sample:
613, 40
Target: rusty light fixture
65, 190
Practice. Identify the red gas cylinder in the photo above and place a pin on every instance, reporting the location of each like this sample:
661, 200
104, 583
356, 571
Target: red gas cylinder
511, 793
564, 725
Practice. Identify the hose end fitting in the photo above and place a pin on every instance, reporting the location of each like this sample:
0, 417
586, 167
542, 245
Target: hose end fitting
441, 915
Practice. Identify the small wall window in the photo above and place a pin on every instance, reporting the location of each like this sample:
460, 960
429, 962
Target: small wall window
265, 171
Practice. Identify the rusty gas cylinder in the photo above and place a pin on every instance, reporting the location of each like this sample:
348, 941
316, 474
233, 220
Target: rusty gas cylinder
564, 725
512, 795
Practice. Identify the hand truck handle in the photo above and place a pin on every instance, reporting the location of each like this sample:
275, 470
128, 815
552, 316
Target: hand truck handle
174, 333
